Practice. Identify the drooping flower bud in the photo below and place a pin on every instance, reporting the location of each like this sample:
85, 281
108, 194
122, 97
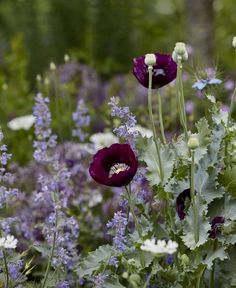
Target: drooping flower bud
234, 42
4, 86
52, 66
66, 58
38, 78
193, 142
150, 59
185, 259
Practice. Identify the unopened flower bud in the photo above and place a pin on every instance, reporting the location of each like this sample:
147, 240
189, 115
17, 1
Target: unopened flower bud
180, 48
185, 259
52, 66
4, 86
39, 78
125, 275
135, 278
66, 58
234, 42
193, 142
150, 59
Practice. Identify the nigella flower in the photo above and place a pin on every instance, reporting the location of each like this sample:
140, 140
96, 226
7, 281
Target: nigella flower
180, 203
114, 166
215, 223
164, 71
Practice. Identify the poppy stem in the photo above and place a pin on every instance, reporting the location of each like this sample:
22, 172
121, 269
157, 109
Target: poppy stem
193, 197
6, 267
160, 117
138, 227
152, 120
180, 99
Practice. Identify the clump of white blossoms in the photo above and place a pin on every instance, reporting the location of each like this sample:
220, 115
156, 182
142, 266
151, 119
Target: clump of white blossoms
8, 242
101, 140
159, 246
23, 122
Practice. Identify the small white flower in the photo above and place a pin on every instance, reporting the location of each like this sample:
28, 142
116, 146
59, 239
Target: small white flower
159, 247
101, 140
23, 122
52, 66
10, 242
95, 200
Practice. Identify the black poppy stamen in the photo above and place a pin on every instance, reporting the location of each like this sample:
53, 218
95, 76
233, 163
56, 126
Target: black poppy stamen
117, 168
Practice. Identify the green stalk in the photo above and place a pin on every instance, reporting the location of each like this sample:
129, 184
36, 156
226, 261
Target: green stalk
51, 252
212, 276
180, 99
138, 227
160, 117
193, 197
199, 278
231, 106
152, 121
6, 268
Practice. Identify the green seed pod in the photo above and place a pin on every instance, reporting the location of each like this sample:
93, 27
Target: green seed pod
193, 142
185, 259
125, 275
150, 59
135, 278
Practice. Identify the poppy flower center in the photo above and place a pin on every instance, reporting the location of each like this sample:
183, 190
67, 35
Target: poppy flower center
117, 168
157, 72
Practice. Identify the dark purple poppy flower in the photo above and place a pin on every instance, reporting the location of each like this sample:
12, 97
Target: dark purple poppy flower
215, 223
180, 203
164, 71
114, 166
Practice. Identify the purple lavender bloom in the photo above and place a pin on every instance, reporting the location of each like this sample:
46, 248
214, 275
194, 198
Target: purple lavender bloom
216, 222
180, 203
225, 108
164, 71
113, 261
63, 284
14, 269
119, 223
81, 119
99, 280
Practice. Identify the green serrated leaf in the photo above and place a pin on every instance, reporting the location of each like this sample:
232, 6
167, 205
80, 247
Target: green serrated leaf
188, 227
228, 180
94, 260
113, 283
213, 255
151, 159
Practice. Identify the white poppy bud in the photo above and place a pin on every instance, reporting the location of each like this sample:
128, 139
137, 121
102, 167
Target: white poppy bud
39, 78
193, 142
150, 59
52, 66
4, 86
234, 42
66, 58
46, 81
180, 48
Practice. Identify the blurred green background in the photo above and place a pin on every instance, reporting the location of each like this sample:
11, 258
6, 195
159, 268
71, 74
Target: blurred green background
105, 35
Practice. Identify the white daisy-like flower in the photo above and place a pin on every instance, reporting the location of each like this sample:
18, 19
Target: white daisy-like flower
159, 246
23, 122
101, 140
10, 242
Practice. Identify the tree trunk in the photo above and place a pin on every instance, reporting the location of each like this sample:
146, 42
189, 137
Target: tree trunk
200, 30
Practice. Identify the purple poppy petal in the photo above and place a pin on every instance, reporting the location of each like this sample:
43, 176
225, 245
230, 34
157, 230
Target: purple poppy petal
180, 203
215, 223
164, 71
107, 158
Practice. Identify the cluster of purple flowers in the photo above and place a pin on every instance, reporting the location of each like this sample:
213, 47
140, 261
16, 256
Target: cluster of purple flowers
81, 119
119, 223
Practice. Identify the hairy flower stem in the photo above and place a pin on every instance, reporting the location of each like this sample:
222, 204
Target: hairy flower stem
6, 268
152, 121
160, 117
52, 251
193, 197
138, 227
199, 278
180, 99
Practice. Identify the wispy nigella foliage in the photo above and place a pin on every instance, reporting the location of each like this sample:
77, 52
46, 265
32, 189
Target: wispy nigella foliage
119, 223
6, 178
81, 119
43, 132
128, 121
